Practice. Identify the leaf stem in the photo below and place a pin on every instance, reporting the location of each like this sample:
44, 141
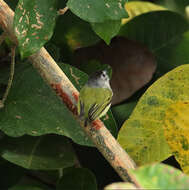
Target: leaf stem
11, 76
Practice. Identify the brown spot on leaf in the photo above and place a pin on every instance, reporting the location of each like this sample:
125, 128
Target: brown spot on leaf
18, 117
38, 16
25, 42
24, 12
120, 6
24, 32
17, 31
185, 102
20, 20
37, 27
20, 6
74, 76
107, 5
27, 20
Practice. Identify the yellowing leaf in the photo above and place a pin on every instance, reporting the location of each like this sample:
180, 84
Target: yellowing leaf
176, 131
160, 176
136, 8
142, 135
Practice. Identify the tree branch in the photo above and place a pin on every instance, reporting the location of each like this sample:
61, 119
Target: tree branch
55, 77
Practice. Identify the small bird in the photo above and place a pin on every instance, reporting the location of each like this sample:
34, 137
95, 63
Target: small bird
95, 97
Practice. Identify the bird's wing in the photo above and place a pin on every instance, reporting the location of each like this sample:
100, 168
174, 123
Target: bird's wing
97, 110
102, 102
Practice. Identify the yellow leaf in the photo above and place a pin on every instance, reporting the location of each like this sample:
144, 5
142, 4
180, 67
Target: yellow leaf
176, 131
142, 135
136, 8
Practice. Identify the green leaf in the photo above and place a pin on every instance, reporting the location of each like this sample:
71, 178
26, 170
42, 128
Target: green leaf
38, 153
160, 31
142, 135
98, 11
160, 176
169, 24
77, 178
175, 53
32, 108
34, 22
107, 30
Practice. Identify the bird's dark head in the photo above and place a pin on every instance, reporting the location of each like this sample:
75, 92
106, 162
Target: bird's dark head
99, 78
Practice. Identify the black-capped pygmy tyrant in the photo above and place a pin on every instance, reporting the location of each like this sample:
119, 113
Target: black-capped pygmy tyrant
95, 97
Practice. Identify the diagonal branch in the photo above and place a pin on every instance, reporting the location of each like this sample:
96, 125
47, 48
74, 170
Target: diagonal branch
56, 78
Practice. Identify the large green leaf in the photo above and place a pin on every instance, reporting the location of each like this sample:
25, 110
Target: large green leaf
160, 176
34, 22
160, 31
142, 135
77, 178
39, 153
33, 108
98, 11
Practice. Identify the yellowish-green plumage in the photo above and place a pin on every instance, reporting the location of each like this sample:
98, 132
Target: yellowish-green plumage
95, 97
90, 96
